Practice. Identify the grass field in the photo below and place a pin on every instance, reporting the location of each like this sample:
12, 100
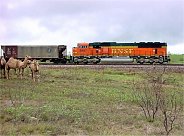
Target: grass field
79, 101
177, 59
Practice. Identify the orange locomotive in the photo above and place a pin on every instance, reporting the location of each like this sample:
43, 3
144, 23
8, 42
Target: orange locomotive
150, 52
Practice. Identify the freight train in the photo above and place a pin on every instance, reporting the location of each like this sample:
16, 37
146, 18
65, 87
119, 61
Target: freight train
53, 53
96, 52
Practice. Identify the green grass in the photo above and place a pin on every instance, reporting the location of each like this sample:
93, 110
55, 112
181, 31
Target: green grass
76, 101
177, 59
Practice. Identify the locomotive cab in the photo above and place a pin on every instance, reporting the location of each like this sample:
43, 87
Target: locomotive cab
83, 53
83, 45
81, 49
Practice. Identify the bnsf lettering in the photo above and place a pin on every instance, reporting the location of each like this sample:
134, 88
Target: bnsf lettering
122, 51
82, 50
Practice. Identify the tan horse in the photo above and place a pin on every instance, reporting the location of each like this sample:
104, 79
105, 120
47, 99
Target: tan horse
2, 66
34, 66
16, 64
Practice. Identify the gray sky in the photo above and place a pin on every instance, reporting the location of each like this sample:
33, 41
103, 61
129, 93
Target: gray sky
72, 21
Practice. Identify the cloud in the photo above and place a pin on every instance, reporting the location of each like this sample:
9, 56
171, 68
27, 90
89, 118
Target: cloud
72, 21
176, 49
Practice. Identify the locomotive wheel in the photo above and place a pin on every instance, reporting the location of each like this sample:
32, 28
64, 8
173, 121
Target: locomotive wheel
76, 62
140, 60
151, 61
85, 62
95, 62
161, 60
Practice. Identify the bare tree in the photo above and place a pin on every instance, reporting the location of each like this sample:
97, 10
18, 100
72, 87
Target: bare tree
171, 106
148, 91
152, 96
148, 96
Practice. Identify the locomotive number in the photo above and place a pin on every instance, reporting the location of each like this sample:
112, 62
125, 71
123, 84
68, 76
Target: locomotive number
122, 51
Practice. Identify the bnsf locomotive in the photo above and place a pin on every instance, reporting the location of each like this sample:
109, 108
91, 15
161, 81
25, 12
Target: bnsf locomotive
150, 52
96, 52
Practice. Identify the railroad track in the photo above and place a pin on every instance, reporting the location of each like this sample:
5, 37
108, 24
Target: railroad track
135, 66
131, 64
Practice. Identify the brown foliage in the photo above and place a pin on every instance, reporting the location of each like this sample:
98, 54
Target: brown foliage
152, 96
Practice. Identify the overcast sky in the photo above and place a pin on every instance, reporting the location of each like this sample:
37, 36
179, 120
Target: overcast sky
72, 21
